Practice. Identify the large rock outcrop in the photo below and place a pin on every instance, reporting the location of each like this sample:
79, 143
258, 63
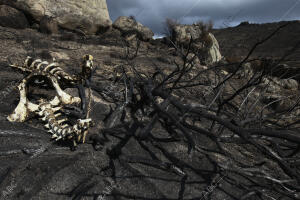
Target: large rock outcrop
129, 26
214, 54
183, 33
11, 17
88, 16
205, 43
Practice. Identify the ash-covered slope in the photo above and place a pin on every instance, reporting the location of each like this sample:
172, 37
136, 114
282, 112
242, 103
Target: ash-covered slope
237, 41
242, 145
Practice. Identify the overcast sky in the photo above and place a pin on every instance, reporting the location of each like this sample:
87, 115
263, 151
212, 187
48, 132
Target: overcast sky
223, 13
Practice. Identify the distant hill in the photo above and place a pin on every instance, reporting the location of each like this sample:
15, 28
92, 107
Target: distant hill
237, 41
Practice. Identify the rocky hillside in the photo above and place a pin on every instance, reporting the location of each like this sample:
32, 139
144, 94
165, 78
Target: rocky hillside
237, 41
166, 126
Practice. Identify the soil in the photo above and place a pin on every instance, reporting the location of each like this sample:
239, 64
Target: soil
34, 167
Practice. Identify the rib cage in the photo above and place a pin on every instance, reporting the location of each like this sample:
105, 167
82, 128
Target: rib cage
44, 68
51, 112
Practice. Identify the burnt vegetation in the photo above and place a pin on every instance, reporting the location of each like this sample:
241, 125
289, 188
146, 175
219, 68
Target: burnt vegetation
206, 132
240, 147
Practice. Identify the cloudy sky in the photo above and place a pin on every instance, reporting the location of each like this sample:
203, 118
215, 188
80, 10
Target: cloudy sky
223, 13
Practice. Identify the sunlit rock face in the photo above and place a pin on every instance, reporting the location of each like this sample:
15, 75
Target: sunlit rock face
208, 45
88, 16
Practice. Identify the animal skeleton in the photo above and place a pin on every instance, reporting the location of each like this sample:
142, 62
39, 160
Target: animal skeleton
51, 112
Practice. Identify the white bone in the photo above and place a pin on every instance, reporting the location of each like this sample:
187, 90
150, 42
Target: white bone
47, 110
20, 113
40, 113
26, 61
55, 109
64, 126
56, 69
34, 62
59, 131
44, 119
57, 115
42, 63
62, 121
58, 138
55, 101
50, 66
63, 96
55, 128
64, 132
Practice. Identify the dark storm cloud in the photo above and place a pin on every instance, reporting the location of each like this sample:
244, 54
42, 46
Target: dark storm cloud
153, 13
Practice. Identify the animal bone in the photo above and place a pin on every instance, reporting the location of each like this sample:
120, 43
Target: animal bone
60, 128
23, 108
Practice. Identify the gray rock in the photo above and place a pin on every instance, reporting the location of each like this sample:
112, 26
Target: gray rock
246, 71
210, 51
277, 102
183, 33
275, 84
130, 26
89, 17
11, 17
214, 54
289, 84
48, 25
279, 93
